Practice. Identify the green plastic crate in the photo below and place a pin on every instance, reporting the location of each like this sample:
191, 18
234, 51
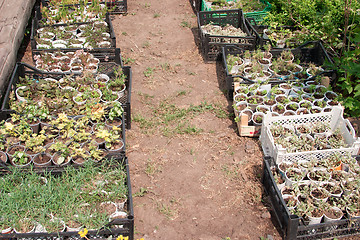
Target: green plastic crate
257, 16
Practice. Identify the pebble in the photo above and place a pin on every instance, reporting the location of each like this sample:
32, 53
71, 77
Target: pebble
269, 237
250, 147
266, 215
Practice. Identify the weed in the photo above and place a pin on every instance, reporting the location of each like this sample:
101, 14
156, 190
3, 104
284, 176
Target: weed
230, 171
141, 192
144, 123
124, 33
185, 24
147, 5
149, 72
156, 15
128, 60
165, 67
146, 44
181, 93
166, 210
190, 73
152, 168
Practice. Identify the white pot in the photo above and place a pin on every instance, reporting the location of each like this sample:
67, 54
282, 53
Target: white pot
79, 103
102, 76
258, 114
18, 97
248, 112
104, 44
43, 46
59, 45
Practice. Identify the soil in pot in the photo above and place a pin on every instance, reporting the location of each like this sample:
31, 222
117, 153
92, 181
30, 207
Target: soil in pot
279, 108
41, 159
15, 148
333, 213
269, 102
25, 225
3, 157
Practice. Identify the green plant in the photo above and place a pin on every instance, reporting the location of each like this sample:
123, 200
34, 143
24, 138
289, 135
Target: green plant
149, 72
20, 158
348, 67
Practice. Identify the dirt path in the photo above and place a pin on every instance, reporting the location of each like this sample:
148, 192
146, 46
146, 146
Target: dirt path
191, 175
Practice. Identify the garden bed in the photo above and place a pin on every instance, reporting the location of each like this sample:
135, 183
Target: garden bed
93, 35
226, 27
294, 226
113, 7
310, 52
89, 191
22, 73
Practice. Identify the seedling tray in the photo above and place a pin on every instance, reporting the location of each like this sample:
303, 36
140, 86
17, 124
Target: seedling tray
36, 25
115, 228
257, 16
309, 52
334, 119
116, 7
211, 44
23, 69
292, 226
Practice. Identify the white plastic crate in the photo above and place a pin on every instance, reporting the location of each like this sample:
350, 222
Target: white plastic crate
334, 119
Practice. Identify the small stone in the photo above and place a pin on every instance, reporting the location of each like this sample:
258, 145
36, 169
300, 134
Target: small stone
269, 237
266, 215
250, 147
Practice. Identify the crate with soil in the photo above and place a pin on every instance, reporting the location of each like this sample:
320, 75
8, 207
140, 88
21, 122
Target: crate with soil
303, 63
254, 9
224, 27
307, 205
112, 6
97, 35
308, 137
87, 94
95, 202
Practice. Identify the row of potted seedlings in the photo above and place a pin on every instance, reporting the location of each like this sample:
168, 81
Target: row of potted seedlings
69, 62
308, 136
61, 140
91, 197
227, 30
259, 66
84, 12
91, 35
291, 98
74, 95
320, 190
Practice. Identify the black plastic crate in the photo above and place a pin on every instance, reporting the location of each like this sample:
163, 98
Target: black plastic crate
115, 7
211, 44
292, 226
22, 70
36, 25
115, 228
309, 52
